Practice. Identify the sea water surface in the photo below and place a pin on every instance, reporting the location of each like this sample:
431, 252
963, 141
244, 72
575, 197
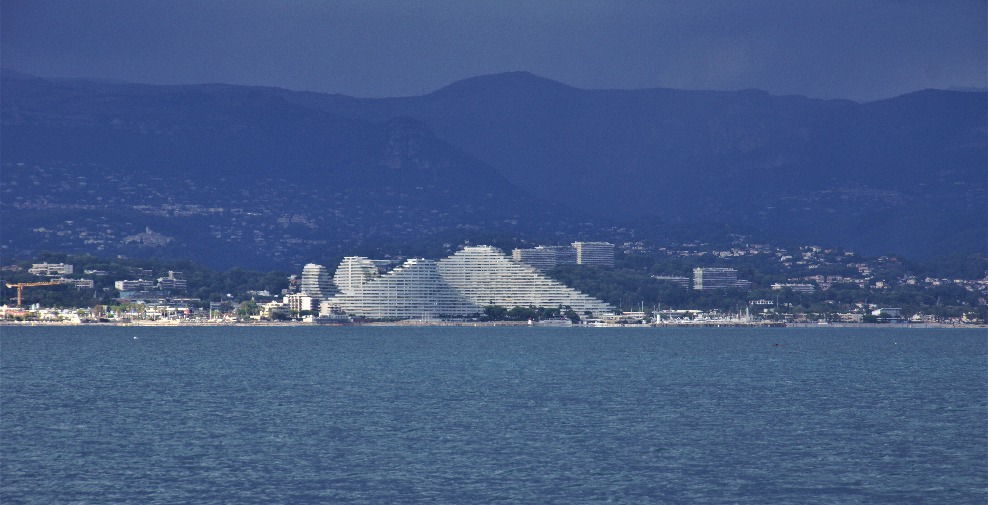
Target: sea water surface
492, 415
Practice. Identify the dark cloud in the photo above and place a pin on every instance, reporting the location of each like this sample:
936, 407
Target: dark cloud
835, 49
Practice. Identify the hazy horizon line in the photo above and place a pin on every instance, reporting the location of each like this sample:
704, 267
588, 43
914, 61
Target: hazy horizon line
111, 80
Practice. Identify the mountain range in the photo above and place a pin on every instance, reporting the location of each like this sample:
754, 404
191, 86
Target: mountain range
234, 175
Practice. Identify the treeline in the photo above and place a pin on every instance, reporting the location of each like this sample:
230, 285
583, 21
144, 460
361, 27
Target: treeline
517, 313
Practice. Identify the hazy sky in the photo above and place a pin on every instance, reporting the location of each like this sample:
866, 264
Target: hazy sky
856, 49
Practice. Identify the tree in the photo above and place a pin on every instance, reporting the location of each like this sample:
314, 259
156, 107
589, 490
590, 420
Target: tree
494, 312
522, 313
247, 309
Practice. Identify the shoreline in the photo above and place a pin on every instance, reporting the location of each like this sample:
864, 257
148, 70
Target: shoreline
487, 324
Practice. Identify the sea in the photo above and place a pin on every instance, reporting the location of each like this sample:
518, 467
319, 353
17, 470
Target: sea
463, 415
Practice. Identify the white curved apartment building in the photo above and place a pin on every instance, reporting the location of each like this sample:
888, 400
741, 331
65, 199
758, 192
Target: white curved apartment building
484, 275
353, 272
414, 290
316, 282
458, 286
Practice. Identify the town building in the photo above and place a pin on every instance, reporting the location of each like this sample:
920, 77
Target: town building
706, 279
139, 289
888, 314
297, 302
545, 257
565, 254
539, 258
794, 287
51, 269
270, 310
78, 283
597, 254
133, 285
174, 282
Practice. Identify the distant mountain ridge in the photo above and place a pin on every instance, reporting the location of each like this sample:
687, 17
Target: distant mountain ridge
907, 174
303, 175
236, 175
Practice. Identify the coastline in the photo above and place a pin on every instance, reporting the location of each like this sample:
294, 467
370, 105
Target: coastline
421, 323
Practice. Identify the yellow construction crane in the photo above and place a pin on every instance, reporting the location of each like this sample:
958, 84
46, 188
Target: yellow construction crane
21, 285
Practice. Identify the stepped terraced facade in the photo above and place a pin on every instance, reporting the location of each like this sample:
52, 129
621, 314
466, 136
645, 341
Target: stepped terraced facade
458, 286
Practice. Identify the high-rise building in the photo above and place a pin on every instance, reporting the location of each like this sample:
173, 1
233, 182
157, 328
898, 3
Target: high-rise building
565, 254
540, 258
457, 286
485, 276
598, 254
413, 290
353, 272
706, 279
316, 282
545, 257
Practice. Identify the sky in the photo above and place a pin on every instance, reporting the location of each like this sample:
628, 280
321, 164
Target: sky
859, 49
